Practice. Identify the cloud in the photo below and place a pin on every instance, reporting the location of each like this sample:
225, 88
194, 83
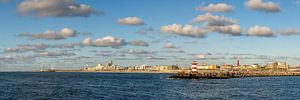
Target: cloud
136, 52
260, 5
107, 41
212, 20
201, 56
65, 45
37, 47
260, 31
11, 50
41, 46
15, 59
220, 7
172, 51
206, 56
138, 43
234, 30
110, 54
249, 57
211, 23
55, 54
169, 45
184, 30
52, 35
289, 31
55, 8
87, 41
220, 24
130, 21
155, 58
144, 31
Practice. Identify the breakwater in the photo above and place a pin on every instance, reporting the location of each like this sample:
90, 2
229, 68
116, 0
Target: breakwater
231, 74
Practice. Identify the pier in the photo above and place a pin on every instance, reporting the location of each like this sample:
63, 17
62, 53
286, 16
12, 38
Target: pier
231, 74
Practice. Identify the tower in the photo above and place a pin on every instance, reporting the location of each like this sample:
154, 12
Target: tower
237, 62
194, 67
110, 63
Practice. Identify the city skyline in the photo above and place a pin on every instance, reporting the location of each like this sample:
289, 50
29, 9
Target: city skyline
69, 34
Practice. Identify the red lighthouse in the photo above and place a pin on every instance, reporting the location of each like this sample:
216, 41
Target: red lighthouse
237, 62
194, 67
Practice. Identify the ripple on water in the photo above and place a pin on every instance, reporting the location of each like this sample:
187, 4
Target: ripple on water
142, 86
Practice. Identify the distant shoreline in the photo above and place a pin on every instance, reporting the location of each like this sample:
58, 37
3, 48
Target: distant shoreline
59, 71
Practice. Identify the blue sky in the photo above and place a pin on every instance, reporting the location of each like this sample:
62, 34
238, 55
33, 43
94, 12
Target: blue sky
266, 42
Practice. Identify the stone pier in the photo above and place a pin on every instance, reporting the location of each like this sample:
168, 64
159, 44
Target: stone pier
231, 74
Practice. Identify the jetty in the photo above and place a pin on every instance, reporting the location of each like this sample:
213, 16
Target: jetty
231, 74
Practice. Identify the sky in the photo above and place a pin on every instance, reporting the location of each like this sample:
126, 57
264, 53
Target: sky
73, 34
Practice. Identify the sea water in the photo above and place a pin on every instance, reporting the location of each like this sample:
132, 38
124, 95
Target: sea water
141, 86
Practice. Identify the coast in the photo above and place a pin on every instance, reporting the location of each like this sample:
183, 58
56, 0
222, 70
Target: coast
115, 71
133, 71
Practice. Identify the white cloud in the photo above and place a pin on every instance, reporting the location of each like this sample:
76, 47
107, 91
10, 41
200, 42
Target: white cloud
169, 45
261, 31
220, 24
52, 35
220, 7
11, 50
108, 41
27, 47
130, 21
172, 51
55, 54
87, 41
212, 20
156, 58
260, 5
41, 46
14, 59
201, 56
55, 8
184, 30
136, 52
138, 43
234, 30
65, 45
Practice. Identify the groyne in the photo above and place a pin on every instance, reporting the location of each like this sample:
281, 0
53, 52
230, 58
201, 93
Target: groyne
231, 74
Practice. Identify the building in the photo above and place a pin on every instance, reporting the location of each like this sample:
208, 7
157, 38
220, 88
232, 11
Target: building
99, 67
204, 66
277, 66
165, 68
213, 67
226, 67
295, 69
249, 67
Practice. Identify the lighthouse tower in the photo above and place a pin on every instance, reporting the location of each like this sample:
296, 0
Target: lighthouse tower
237, 62
194, 67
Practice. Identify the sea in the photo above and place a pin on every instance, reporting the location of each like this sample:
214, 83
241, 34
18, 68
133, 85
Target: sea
141, 86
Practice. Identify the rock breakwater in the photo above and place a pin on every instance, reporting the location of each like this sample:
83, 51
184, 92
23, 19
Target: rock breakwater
231, 74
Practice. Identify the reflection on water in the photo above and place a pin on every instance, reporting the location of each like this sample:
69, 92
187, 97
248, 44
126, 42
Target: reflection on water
142, 86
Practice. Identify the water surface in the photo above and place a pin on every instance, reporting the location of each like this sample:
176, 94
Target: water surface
138, 86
